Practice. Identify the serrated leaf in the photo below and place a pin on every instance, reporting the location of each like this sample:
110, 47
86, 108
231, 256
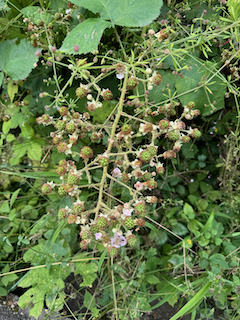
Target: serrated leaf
34, 151
128, 13
18, 152
86, 35
27, 131
204, 100
14, 60
36, 13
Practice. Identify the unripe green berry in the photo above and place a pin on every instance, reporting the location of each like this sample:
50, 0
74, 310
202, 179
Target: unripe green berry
103, 161
147, 176
62, 147
125, 178
86, 152
63, 111
85, 234
145, 156
174, 135
81, 92
94, 137
61, 170
78, 208
140, 208
163, 124
129, 223
112, 251
94, 229
102, 222
72, 179
61, 191
60, 125
152, 150
132, 83
191, 104
132, 240
70, 127
185, 139
62, 163
62, 214
46, 188
83, 244
151, 184
107, 95
196, 133
157, 79
126, 129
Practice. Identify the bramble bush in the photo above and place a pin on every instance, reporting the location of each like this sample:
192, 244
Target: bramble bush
119, 152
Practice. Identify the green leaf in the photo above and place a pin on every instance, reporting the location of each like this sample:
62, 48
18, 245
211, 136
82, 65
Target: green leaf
180, 229
204, 96
218, 259
14, 196
9, 278
89, 302
10, 137
6, 127
18, 152
188, 210
101, 114
5, 207
14, 60
128, 13
159, 237
34, 151
152, 279
1, 78
193, 302
12, 89
86, 35
27, 131
36, 13
234, 9
3, 292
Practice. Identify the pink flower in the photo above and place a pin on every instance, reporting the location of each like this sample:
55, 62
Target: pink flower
98, 235
138, 186
118, 241
127, 212
116, 173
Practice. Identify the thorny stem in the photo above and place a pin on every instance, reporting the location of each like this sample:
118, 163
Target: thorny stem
112, 135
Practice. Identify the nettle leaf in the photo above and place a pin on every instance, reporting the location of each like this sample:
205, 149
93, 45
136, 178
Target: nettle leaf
14, 60
86, 35
128, 13
205, 97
